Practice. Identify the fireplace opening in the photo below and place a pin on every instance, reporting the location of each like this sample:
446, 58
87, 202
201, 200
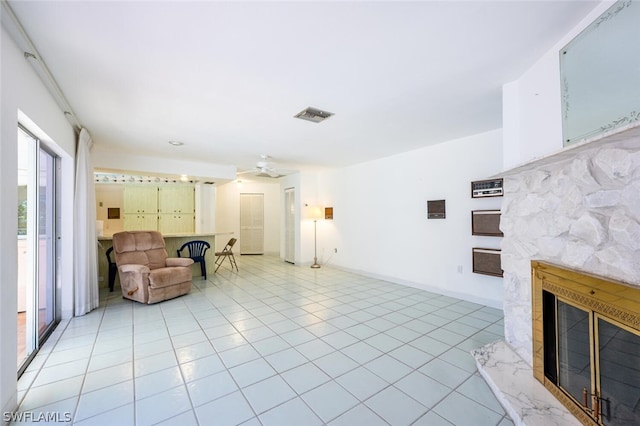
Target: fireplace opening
587, 344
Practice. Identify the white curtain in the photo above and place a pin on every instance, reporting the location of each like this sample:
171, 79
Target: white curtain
85, 277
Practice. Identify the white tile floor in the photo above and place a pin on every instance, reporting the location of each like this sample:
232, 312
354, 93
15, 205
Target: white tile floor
275, 344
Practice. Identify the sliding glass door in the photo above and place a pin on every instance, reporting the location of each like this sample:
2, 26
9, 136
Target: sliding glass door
36, 245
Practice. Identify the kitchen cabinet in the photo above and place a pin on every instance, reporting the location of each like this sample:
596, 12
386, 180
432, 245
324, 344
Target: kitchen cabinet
169, 209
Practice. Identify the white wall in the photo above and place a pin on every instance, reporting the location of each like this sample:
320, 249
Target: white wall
25, 98
380, 225
228, 212
532, 116
205, 208
109, 195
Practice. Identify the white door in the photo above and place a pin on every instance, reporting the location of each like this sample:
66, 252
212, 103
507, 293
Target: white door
290, 225
251, 223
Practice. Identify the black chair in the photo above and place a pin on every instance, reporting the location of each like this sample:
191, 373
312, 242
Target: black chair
197, 249
226, 253
113, 269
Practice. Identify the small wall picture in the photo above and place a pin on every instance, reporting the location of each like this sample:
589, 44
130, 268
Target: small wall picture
328, 213
113, 212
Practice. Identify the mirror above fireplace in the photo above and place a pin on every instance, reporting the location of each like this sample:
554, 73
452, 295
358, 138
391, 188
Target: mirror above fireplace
600, 75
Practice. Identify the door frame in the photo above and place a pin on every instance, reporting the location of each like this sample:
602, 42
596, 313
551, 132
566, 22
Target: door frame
289, 252
37, 338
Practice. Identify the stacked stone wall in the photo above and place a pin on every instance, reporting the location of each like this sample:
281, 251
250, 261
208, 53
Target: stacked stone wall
581, 212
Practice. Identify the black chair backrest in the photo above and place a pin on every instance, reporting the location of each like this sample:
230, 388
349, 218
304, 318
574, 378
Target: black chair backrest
197, 248
108, 253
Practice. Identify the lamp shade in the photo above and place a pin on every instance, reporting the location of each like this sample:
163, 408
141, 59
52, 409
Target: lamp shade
316, 213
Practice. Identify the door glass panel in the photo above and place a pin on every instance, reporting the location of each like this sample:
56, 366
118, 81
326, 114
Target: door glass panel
619, 374
26, 254
46, 242
574, 360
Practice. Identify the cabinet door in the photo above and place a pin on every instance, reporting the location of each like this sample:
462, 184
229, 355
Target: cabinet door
148, 222
140, 199
176, 199
140, 222
176, 223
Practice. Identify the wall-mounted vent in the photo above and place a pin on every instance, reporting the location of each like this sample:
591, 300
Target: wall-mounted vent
313, 114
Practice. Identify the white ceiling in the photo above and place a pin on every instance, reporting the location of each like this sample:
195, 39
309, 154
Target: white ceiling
226, 78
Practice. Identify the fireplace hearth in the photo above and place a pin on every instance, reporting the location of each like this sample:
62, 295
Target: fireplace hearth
586, 343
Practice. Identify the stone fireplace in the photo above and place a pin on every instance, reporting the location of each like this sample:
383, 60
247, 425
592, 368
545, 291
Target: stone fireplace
579, 209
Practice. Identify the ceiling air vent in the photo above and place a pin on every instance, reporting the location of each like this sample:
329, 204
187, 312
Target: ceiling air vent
313, 114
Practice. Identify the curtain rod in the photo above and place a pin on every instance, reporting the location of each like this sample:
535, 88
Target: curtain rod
51, 84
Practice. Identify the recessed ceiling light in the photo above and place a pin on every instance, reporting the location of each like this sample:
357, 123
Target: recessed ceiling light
176, 143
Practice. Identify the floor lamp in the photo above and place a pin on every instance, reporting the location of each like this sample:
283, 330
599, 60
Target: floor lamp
316, 214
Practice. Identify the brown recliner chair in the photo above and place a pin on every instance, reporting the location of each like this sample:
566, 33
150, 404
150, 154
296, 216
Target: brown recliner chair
147, 275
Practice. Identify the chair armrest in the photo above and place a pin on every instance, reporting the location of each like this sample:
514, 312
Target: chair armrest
178, 261
134, 268
134, 279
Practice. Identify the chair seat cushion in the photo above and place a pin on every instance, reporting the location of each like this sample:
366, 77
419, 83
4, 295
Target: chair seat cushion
164, 277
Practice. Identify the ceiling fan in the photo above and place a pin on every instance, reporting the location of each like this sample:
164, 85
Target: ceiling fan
264, 168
